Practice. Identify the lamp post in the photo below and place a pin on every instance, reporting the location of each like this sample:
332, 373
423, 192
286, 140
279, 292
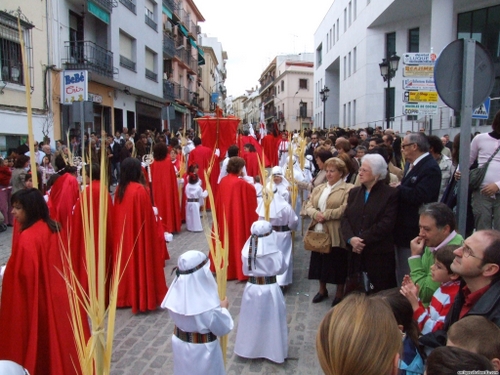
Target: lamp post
388, 68
324, 96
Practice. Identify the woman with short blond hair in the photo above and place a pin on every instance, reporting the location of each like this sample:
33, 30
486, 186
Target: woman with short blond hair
359, 336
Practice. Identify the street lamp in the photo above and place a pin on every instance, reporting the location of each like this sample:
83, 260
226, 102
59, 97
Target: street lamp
388, 68
324, 96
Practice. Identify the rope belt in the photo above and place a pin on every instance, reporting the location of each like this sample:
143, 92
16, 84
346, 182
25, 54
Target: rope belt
193, 200
262, 280
281, 228
252, 249
194, 337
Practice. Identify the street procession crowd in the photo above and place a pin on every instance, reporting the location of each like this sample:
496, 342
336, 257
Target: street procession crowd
376, 209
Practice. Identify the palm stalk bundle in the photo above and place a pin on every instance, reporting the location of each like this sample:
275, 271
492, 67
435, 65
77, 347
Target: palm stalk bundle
267, 194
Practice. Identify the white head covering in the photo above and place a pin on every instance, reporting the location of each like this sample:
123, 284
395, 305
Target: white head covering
194, 290
277, 170
278, 204
12, 368
261, 242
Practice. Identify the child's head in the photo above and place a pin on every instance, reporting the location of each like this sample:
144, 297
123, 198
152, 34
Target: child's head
193, 178
441, 269
447, 360
257, 179
28, 181
193, 168
173, 154
477, 334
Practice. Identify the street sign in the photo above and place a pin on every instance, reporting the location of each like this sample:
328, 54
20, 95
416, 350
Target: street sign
418, 71
420, 96
483, 111
420, 108
419, 58
419, 84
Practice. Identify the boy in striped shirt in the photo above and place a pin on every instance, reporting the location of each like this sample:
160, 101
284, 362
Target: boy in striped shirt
432, 318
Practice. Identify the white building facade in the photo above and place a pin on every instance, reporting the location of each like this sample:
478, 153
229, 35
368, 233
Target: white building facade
354, 37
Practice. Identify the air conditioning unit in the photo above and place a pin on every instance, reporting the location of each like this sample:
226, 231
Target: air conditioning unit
198, 29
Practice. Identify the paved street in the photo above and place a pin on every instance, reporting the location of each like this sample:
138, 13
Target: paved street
143, 342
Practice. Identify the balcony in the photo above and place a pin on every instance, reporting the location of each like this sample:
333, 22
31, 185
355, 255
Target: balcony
170, 4
149, 19
168, 45
151, 75
170, 90
268, 113
88, 56
127, 64
307, 113
130, 5
266, 83
189, 61
107, 4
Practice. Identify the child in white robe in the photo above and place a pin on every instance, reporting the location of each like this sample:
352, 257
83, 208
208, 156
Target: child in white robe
199, 316
194, 195
262, 329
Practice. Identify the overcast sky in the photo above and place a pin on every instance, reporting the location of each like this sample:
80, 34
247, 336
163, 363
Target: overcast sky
254, 32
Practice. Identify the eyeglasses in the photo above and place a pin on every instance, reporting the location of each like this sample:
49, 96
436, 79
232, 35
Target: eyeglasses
467, 252
408, 144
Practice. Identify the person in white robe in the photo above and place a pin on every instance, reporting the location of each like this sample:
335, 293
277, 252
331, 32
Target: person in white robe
194, 200
280, 182
283, 150
283, 219
199, 316
258, 189
262, 329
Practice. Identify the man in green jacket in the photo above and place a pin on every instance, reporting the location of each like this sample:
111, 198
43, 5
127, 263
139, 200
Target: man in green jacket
437, 229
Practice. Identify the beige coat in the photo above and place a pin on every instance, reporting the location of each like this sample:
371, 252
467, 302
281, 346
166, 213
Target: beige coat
336, 204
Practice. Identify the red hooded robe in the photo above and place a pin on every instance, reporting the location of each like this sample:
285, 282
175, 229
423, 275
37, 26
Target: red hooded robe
269, 144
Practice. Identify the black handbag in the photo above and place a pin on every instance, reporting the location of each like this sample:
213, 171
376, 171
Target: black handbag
357, 279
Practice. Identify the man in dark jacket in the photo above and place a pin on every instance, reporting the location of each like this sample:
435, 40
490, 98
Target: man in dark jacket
420, 185
478, 263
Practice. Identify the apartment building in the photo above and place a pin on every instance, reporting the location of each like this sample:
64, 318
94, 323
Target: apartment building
14, 80
287, 91
354, 37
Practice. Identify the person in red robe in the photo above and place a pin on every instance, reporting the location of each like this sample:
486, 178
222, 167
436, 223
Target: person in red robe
92, 192
165, 189
237, 202
143, 284
251, 158
202, 155
270, 146
35, 330
64, 193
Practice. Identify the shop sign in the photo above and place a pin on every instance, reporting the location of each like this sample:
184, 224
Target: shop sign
420, 96
419, 84
419, 58
74, 86
418, 71
420, 109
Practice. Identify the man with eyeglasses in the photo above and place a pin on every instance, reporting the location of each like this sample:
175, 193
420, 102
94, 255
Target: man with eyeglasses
477, 261
420, 185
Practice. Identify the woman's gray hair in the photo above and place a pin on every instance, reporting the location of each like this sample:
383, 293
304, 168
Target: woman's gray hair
377, 164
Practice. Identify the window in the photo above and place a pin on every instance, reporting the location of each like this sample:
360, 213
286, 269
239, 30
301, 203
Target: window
354, 10
350, 13
349, 64
282, 85
345, 20
354, 59
413, 40
390, 44
338, 28
349, 114
129, 4
151, 70
302, 84
345, 116
150, 11
127, 52
319, 54
333, 38
483, 26
327, 41
391, 99
11, 61
345, 67
354, 113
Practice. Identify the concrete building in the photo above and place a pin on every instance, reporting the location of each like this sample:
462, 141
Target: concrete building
14, 81
286, 90
354, 37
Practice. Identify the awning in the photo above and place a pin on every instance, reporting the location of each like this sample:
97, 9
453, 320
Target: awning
167, 12
183, 30
193, 43
201, 56
199, 114
179, 108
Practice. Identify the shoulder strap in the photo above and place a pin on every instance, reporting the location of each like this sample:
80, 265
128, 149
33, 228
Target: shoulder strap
491, 157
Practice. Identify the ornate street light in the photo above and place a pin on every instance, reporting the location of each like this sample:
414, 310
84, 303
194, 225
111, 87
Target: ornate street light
324, 96
388, 68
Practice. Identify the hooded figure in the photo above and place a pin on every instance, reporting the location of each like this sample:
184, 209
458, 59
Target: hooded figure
194, 306
262, 332
280, 182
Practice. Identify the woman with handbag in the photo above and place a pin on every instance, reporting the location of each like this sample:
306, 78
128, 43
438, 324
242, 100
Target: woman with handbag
368, 224
325, 207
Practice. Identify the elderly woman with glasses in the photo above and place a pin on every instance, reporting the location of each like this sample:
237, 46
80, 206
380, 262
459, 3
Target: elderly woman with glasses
369, 221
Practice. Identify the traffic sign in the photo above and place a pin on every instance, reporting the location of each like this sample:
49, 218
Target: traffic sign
483, 111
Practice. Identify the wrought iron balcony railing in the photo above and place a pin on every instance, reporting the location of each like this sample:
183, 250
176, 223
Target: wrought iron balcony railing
168, 45
127, 63
151, 75
89, 56
130, 5
107, 4
171, 4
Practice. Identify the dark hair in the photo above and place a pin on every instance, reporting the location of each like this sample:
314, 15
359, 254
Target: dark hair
192, 167
250, 147
235, 165
449, 360
455, 149
21, 160
390, 138
35, 208
130, 171
197, 141
174, 141
491, 253
160, 151
441, 213
445, 255
343, 143
323, 154
496, 122
256, 179
382, 151
378, 141
233, 150
403, 312
60, 162
96, 171
435, 143
193, 178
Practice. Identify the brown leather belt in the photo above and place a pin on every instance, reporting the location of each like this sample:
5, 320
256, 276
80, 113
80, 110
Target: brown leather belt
194, 337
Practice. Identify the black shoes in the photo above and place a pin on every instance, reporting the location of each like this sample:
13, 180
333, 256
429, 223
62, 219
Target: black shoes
336, 301
319, 297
